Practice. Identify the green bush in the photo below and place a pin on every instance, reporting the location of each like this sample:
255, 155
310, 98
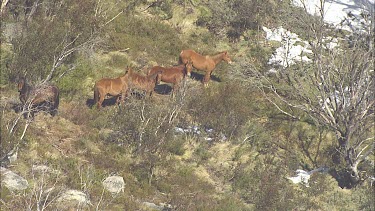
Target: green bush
233, 18
118, 61
6, 76
46, 39
163, 9
145, 36
175, 146
73, 85
224, 108
202, 153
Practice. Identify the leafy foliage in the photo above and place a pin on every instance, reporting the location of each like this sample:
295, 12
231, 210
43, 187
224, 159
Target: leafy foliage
145, 35
233, 18
50, 35
260, 146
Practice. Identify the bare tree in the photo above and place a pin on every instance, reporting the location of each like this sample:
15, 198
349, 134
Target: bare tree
335, 90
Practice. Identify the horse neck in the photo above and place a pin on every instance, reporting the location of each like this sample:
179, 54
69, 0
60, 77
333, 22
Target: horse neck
217, 58
153, 75
124, 77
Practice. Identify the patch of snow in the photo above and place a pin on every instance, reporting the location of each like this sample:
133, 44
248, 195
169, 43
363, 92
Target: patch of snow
331, 42
290, 51
336, 11
337, 98
344, 14
196, 130
208, 139
191, 129
280, 34
303, 176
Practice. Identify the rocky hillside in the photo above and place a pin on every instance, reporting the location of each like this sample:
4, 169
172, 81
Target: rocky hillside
277, 129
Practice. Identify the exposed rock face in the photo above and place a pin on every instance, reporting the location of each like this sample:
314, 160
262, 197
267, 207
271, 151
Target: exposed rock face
43, 169
12, 180
114, 184
73, 197
161, 207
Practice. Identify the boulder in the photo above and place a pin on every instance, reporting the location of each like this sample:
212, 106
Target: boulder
74, 197
12, 180
114, 184
161, 207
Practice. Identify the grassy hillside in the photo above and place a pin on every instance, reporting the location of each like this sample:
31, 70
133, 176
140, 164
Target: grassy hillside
221, 147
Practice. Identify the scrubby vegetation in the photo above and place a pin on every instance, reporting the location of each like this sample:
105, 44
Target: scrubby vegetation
229, 146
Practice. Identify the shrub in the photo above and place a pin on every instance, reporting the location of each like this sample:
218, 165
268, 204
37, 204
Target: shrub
145, 36
118, 61
233, 18
50, 37
6, 75
73, 85
225, 108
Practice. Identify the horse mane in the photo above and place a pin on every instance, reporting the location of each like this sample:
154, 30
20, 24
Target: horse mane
154, 75
217, 57
129, 71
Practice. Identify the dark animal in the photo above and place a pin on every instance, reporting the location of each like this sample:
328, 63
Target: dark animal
117, 87
204, 63
173, 75
44, 97
144, 83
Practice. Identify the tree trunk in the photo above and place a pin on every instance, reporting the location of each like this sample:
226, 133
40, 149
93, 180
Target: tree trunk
3, 5
352, 176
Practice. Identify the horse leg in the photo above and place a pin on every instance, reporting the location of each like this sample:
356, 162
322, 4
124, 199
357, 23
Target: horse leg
100, 101
119, 99
53, 110
175, 88
124, 94
206, 78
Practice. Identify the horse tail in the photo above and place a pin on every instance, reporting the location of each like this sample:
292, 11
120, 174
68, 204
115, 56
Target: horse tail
180, 60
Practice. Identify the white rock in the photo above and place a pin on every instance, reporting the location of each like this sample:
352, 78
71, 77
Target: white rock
161, 207
12, 180
74, 195
114, 184
40, 168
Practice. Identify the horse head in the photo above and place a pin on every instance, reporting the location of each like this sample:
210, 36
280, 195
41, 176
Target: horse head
226, 57
130, 71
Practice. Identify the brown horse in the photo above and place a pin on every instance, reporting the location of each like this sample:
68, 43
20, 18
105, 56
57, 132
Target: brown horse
173, 75
44, 97
204, 63
145, 83
111, 87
